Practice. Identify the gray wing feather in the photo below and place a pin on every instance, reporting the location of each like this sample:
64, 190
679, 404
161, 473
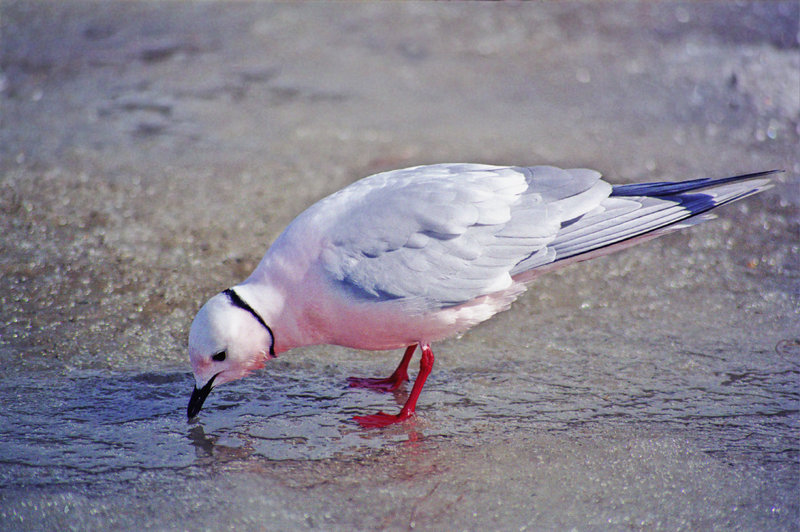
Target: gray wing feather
663, 207
442, 235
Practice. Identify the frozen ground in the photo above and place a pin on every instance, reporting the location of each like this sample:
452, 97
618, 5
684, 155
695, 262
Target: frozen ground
150, 151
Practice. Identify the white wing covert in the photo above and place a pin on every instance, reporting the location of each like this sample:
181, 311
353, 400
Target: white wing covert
441, 235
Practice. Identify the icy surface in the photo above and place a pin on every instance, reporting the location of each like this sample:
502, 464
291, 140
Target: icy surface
150, 152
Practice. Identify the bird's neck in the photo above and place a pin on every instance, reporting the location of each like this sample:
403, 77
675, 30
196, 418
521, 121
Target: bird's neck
278, 297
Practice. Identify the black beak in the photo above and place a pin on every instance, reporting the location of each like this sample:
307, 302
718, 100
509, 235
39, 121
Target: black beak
199, 397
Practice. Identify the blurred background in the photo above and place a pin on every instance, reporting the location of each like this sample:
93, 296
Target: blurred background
151, 151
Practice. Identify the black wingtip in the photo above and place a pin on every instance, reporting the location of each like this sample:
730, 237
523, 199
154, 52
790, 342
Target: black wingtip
757, 174
671, 188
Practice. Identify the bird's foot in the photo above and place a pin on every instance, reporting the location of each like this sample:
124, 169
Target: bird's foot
398, 377
389, 384
382, 419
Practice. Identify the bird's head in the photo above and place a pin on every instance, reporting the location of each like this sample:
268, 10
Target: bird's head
227, 340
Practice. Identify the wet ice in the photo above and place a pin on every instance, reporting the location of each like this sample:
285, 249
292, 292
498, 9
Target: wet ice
652, 389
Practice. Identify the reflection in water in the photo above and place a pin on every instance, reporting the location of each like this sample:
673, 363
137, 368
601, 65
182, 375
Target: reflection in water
135, 422
213, 449
204, 444
117, 432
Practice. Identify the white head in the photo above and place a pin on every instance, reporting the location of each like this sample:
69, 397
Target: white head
227, 340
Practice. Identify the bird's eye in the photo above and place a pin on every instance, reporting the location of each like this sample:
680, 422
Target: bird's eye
219, 357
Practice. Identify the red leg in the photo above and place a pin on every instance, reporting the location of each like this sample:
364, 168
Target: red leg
389, 384
381, 419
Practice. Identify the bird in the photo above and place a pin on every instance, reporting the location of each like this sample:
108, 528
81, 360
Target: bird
405, 258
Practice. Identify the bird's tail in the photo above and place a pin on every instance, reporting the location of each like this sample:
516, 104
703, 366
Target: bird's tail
638, 212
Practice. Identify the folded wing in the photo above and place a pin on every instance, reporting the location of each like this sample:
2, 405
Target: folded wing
441, 235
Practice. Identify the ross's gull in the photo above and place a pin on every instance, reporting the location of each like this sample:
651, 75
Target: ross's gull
404, 258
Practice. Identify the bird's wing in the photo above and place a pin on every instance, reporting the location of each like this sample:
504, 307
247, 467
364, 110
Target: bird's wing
634, 210
638, 212
442, 235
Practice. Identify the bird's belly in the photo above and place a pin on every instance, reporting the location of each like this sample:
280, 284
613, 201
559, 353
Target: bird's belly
393, 325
